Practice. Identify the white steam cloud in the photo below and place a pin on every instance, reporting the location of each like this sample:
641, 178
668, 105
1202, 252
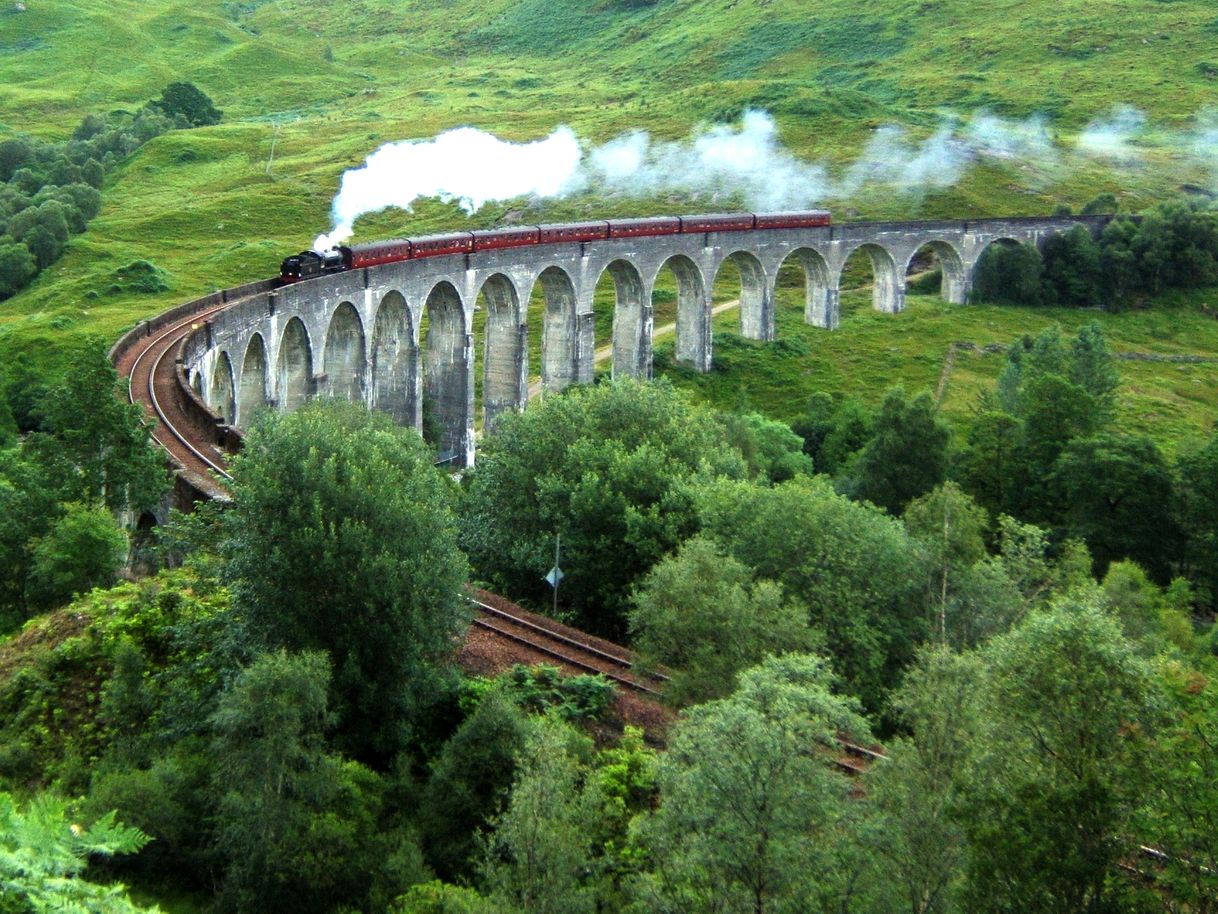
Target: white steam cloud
745, 161
1113, 137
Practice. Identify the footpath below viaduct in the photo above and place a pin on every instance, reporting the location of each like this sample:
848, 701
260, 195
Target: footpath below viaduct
356, 335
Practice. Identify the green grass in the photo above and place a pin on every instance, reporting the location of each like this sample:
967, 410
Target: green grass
325, 83
871, 352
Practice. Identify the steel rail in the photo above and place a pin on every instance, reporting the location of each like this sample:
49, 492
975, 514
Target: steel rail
565, 639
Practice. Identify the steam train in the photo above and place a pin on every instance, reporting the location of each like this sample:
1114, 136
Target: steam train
308, 264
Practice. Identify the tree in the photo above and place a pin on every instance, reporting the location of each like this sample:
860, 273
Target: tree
1056, 774
848, 431
1071, 269
43, 854
950, 526
15, 152
1009, 274
1198, 490
773, 451
750, 807
17, 267
469, 780
854, 568
915, 795
92, 445
1182, 800
537, 854
1119, 267
85, 548
987, 464
906, 456
608, 467
341, 537
295, 825
1093, 368
701, 614
1118, 493
189, 102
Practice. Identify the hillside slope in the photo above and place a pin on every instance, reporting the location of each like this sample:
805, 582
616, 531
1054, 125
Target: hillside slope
310, 89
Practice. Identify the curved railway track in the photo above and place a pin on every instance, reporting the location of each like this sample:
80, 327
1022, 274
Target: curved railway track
151, 370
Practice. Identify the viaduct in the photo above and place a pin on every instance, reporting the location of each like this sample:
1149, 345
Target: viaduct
357, 335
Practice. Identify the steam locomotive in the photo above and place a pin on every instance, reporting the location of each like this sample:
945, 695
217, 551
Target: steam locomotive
308, 264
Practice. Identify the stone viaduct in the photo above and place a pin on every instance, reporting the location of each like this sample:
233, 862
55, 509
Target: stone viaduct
357, 335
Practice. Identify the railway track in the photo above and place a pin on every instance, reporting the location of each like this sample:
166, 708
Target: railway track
567, 650
151, 370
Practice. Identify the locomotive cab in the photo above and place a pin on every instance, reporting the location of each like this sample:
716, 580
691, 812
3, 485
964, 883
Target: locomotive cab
308, 264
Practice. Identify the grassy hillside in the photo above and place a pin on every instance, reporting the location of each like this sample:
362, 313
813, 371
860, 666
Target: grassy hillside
309, 89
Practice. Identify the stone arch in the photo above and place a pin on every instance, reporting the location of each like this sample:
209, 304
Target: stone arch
821, 296
446, 393
294, 373
954, 287
559, 348
693, 315
196, 382
252, 397
631, 321
220, 392
505, 360
756, 311
888, 287
395, 361
997, 241
343, 360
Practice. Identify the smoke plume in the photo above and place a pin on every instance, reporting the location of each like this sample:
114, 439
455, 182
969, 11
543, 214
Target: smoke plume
745, 161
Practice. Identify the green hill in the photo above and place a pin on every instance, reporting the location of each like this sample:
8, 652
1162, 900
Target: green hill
309, 89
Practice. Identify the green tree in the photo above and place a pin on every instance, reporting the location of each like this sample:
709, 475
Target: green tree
189, 102
950, 526
1093, 368
915, 795
608, 467
906, 456
854, 568
17, 267
987, 465
15, 152
1198, 490
700, 613
848, 431
750, 806
85, 548
1119, 497
1149, 616
538, 851
94, 447
437, 897
1181, 805
1056, 775
295, 825
1072, 274
341, 538
469, 778
773, 451
1119, 267
1009, 274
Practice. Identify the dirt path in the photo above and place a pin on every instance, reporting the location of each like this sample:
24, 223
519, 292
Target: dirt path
606, 352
